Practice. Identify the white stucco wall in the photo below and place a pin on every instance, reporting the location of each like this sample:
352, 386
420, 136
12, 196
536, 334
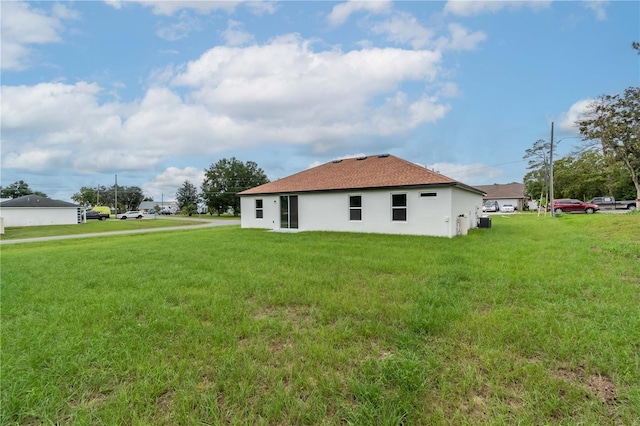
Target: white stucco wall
432, 215
39, 216
271, 209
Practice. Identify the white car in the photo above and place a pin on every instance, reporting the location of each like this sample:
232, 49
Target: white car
508, 208
133, 214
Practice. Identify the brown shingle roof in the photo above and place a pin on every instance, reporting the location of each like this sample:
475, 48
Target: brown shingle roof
376, 171
508, 190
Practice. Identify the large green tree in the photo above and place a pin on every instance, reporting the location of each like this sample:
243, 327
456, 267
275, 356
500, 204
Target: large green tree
129, 197
187, 196
88, 196
611, 123
19, 189
225, 179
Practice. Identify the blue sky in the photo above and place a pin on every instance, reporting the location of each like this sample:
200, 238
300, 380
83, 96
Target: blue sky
158, 91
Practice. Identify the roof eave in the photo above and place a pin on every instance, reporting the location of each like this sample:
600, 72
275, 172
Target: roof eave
369, 188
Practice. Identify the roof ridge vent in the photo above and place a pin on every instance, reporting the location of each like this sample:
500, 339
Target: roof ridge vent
383, 155
361, 158
337, 161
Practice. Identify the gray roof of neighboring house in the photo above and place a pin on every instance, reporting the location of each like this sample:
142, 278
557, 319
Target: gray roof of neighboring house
35, 201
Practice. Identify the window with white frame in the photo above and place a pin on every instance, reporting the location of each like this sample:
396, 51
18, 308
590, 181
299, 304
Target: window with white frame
399, 207
355, 207
259, 209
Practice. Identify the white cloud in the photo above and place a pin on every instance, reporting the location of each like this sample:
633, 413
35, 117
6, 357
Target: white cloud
230, 98
47, 107
598, 7
116, 4
263, 7
168, 8
461, 39
403, 28
568, 119
60, 11
467, 173
24, 26
166, 184
235, 36
185, 25
341, 12
477, 7
35, 158
449, 90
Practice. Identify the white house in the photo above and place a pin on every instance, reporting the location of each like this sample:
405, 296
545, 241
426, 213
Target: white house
33, 210
377, 194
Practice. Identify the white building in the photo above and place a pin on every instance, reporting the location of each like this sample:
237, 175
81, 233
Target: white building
376, 194
33, 210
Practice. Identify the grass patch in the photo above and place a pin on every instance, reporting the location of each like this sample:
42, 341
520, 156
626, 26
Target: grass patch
92, 226
535, 320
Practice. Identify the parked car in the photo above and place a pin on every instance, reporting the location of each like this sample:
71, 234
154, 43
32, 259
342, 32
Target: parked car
508, 208
132, 214
104, 210
570, 205
612, 203
491, 206
93, 214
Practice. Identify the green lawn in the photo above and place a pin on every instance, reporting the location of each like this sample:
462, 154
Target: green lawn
92, 226
534, 321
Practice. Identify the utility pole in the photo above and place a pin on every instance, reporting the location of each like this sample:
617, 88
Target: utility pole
116, 196
553, 213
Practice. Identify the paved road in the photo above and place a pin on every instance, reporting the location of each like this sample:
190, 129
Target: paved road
206, 223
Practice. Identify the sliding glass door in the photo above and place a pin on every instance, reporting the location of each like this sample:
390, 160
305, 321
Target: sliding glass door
289, 211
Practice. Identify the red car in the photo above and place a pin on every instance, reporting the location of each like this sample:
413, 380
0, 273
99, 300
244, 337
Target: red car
569, 205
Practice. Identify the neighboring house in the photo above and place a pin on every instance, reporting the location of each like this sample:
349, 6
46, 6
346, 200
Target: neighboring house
377, 194
33, 210
145, 206
510, 193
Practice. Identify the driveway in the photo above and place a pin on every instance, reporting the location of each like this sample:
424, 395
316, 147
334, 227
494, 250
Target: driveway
206, 223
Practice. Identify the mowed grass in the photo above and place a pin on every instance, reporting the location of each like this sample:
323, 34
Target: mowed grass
91, 226
534, 321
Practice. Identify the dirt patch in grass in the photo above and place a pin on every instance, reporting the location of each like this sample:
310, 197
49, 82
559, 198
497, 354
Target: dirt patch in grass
299, 316
476, 406
602, 387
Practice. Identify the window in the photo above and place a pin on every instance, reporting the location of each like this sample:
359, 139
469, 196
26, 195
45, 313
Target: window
399, 207
355, 207
259, 209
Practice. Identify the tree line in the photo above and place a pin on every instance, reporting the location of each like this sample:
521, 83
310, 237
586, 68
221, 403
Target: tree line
606, 163
223, 181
